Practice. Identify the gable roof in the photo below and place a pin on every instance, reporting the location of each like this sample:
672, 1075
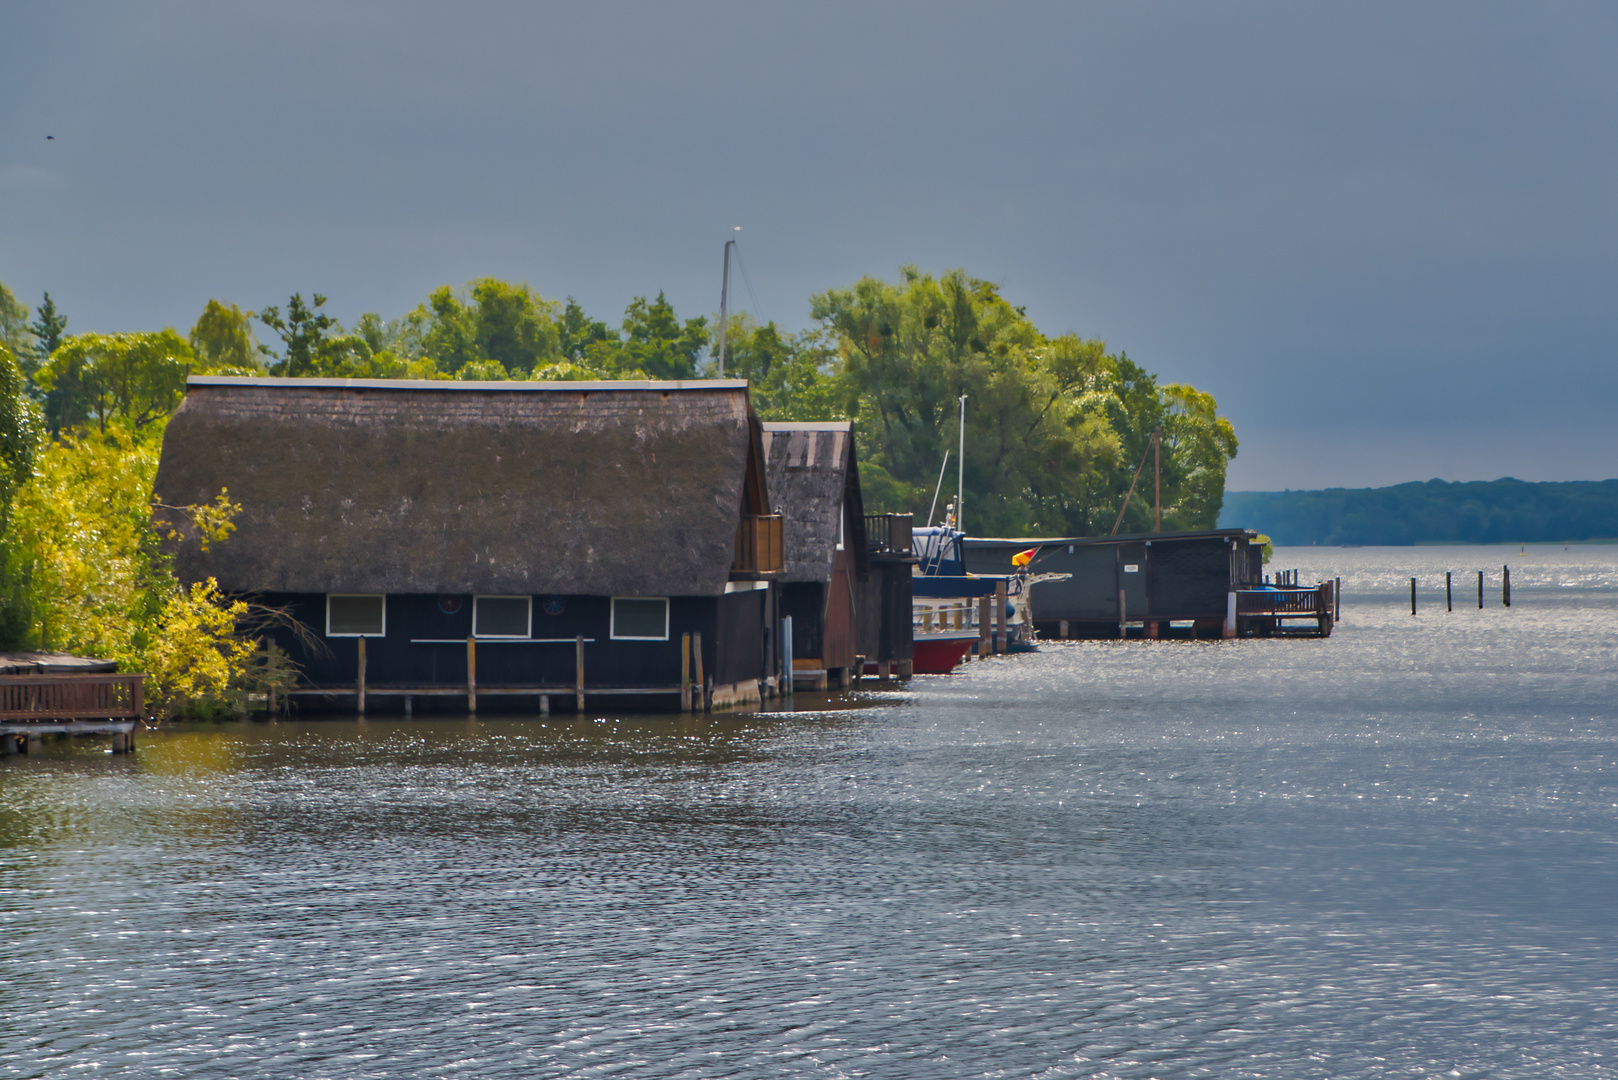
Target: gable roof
812, 472
349, 485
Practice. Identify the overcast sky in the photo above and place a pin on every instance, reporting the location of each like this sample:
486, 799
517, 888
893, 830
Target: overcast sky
1384, 236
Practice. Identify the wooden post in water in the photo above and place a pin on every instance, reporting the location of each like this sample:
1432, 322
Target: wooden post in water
1505, 586
1000, 616
1412, 596
1062, 624
1123, 621
359, 690
1337, 601
1480, 590
702, 682
578, 673
1449, 593
685, 672
985, 627
471, 674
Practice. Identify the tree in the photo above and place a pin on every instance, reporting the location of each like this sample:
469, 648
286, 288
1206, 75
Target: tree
1054, 426
658, 344
223, 340
136, 379
15, 334
47, 329
579, 334
19, 432
304, 334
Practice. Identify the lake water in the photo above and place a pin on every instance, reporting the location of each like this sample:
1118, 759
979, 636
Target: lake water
1393, 853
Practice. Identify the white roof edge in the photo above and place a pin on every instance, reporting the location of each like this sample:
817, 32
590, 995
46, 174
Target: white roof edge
809, 425
451, 384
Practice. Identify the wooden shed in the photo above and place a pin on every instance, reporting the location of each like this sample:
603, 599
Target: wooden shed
466, 543
1145, 581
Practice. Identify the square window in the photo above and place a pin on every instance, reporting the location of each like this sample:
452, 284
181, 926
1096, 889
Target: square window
356, 616
640, 618
502, 616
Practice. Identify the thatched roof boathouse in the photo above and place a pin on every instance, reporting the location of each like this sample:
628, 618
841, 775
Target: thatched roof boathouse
505, 539
847, 594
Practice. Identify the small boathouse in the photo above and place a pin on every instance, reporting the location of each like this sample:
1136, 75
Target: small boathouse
463, 545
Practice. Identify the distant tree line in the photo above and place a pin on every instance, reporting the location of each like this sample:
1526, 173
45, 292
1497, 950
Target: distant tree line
1480, 512
1056, 427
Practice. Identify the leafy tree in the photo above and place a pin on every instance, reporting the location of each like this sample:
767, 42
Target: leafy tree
793, 377
657, 343
133, 378
1054, 426
223, 340
579, 334
19, 432
47, 329
305, 332
15, 334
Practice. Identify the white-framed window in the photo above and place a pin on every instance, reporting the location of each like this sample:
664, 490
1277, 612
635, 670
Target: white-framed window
356, 615
842, 516
640, 618
502, 616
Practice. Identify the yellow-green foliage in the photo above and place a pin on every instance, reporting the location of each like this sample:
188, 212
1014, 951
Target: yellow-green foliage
87, 575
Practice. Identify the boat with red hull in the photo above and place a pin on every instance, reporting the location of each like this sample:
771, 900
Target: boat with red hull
938, 654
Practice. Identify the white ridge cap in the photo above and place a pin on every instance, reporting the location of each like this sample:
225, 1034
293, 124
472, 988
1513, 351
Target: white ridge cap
452, 384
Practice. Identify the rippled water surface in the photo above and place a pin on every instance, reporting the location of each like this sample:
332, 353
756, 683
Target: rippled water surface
1389, 854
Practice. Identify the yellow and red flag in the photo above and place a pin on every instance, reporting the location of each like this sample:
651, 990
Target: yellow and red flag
1023, 558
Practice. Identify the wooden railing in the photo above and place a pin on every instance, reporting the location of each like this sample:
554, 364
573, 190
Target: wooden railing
1281, 602
888, 534
71, 697
759, 545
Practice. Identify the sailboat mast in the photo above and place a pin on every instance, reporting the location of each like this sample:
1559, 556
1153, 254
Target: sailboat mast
960, 468
724, 299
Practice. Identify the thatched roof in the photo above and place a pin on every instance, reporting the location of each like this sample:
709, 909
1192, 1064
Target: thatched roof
348, 485
813, 470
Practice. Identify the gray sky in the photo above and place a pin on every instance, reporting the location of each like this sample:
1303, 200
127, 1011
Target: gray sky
1382, 235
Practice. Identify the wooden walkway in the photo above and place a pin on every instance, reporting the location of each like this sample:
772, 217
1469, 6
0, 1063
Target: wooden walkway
103, 703
1295, 612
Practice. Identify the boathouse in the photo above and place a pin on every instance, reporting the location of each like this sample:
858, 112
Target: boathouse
1207, 584
465, 544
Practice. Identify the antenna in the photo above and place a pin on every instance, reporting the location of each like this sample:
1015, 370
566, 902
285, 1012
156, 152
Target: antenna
724, 298
940, 486
960, 467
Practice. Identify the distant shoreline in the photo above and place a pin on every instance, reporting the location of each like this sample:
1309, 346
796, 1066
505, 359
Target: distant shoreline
1432, 512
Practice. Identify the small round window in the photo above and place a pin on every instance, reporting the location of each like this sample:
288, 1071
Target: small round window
449, 603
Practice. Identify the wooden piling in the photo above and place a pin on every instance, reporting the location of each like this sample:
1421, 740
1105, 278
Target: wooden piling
1123, 620
1000, 616
1449, 593
544, 704
1505, 586
578, 673
1412, 596
685, 672
1062, 627
985, 627
1480, 590
702, 682
471, 675
359, 694
1337, 600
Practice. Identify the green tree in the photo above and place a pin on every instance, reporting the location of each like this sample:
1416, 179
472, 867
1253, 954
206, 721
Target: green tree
47, 330
135, 379
15, 334
223, 340
657, 343
579, 334
304, 332
1054, 426
19, 432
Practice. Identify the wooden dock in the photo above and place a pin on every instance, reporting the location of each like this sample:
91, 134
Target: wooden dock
73, 704
1285, 611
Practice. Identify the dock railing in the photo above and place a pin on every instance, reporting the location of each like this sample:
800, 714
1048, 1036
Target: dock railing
889, 534
116, 696
1272, 608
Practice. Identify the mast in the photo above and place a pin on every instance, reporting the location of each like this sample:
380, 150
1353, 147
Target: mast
1157, 469
960, 468
724, 300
